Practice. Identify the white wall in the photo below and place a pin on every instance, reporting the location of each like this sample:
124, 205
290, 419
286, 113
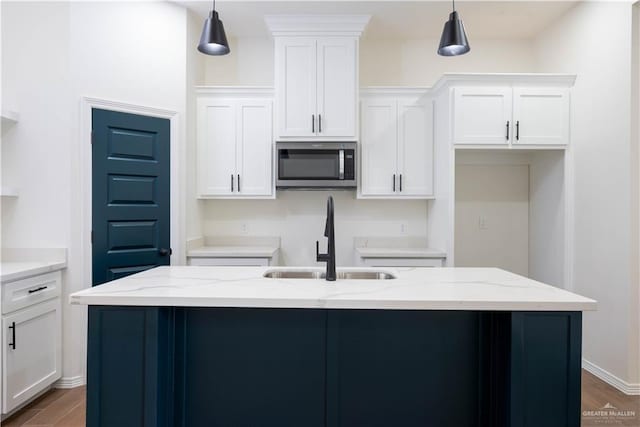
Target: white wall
586, 42
415, 62
298, 217
129, 52
249, 63
498, 196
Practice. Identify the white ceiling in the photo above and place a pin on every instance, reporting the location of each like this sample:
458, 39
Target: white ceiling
397, 19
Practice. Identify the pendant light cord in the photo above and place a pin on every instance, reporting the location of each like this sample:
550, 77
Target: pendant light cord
454, 4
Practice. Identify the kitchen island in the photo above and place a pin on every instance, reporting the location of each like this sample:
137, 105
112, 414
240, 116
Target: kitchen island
225, 346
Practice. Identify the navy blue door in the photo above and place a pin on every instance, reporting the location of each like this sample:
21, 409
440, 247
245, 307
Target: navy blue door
131, 197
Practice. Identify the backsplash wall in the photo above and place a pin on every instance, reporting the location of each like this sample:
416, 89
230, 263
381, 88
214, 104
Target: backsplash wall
298, 217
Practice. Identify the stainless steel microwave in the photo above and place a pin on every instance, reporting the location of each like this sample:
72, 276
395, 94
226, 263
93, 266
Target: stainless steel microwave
316, 165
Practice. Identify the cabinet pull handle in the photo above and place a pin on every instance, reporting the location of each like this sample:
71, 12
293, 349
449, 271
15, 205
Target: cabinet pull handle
507, 130
313, 123
518, 130
401, 183
319, 123
394, 182
13, 335
41, 288
238, 183
232, 183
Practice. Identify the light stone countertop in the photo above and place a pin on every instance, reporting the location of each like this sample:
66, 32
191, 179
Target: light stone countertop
400, 253
20, 263
413, 289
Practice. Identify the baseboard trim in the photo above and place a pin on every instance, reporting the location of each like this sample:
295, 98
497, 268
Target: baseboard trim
625, 387
70, 382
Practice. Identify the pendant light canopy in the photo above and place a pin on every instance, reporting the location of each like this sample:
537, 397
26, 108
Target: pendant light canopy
213, 40
454, 40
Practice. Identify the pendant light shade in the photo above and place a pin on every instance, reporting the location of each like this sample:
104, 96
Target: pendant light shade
454, 40
213, 40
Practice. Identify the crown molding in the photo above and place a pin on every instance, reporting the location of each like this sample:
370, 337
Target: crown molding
332, 25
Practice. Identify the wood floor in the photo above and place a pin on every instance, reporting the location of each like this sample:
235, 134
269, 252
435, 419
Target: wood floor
66, 408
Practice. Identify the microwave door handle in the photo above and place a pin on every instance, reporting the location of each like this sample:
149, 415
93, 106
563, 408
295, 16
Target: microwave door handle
341, 164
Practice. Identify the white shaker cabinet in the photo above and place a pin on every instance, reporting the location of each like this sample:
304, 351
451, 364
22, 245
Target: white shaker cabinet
316, 76
396, 145
32, 352
511, 115
482, 115
234, 144
541, 116
31, 338
316, 87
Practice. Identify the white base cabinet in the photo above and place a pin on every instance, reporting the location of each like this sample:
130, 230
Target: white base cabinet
234, 143
31, 338
397, 144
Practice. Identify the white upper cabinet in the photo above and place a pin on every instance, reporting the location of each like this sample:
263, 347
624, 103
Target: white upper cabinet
234, 144
296, 86
396, 145
316, 76
379, 148
509, 111
337, 87
482, 115
541, 116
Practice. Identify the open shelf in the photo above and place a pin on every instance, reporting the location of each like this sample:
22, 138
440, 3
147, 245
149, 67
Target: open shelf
9, 118
8, 192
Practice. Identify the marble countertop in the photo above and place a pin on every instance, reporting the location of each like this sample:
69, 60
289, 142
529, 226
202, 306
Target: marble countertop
400, 253
15, 270
233, 252
20, 263
413, 289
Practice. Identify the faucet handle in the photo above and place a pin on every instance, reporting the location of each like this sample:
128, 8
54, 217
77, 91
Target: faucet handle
319, 256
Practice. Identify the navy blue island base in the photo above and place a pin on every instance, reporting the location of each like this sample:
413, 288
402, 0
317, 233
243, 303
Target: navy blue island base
234, 367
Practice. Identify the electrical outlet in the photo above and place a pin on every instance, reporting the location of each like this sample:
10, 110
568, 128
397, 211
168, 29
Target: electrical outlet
403, 228
244, 228
482, 223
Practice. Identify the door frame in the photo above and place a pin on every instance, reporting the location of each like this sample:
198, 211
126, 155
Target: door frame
176, 152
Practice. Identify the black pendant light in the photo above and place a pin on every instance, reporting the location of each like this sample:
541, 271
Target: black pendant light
454, 40
213, 40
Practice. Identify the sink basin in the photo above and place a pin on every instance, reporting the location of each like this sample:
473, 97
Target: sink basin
341, 274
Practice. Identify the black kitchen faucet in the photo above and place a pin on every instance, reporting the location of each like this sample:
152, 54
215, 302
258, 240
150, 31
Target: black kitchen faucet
329, 232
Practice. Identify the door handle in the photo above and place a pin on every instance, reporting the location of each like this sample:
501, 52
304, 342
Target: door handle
507, 130
238, 183
518, 130
165, 251
319, 123
13, 335
232, 183
401, 183
313, 123
394, 182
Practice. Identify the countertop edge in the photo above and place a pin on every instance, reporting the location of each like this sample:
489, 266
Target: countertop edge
47, 267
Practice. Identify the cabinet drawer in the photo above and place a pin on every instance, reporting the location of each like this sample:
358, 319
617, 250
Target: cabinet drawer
32, 290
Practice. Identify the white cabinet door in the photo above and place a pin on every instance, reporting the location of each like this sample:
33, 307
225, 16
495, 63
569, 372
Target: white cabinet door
337, 87
296, 86
31, 352
415, 148
254, 148
541, 116
216, 147
379, 147
482, 115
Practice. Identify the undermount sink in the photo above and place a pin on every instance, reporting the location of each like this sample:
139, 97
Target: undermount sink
340, 274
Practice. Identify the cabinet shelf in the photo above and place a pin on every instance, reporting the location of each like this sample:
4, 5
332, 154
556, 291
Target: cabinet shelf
8, 192
9, 118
